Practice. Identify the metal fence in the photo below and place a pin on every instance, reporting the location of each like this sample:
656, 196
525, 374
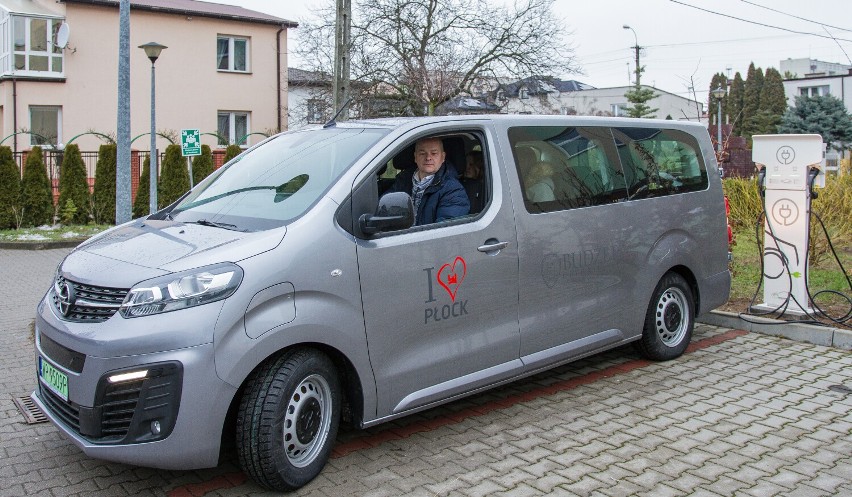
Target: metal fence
53, 162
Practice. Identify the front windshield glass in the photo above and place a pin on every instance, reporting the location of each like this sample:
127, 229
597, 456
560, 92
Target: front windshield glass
275, 182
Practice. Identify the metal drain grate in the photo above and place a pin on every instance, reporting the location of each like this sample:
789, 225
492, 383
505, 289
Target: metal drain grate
32, 414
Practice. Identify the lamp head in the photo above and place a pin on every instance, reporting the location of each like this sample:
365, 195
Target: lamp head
152, 50
718, 92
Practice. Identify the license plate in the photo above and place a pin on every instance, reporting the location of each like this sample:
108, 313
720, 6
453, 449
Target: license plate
53, 378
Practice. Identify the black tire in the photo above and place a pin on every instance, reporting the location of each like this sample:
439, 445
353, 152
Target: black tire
669, 320
288, 419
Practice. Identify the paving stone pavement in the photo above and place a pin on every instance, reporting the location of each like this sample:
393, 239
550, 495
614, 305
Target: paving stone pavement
739, 414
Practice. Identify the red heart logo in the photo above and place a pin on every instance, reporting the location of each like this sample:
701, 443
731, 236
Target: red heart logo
451, 277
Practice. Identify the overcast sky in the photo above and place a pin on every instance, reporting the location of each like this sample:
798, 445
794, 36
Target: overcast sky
680, 43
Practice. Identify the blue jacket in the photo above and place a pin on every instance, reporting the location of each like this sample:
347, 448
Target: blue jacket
444, 199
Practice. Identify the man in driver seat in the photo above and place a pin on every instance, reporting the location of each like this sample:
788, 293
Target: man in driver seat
433, 185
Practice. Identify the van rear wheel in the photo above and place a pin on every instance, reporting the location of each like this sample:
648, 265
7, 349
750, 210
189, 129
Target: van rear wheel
288, 419
669, 320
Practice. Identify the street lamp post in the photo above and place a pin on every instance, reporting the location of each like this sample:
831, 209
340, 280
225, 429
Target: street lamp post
635, 47
719, 93
152, 50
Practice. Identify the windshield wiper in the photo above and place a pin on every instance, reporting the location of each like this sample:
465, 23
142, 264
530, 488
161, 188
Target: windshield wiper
226, 226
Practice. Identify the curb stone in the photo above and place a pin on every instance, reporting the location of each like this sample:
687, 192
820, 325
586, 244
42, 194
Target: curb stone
43, 244
800, 332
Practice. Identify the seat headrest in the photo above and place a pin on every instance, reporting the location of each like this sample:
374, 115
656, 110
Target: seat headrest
454, 148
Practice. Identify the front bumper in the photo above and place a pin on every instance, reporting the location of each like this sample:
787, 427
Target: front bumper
173, 419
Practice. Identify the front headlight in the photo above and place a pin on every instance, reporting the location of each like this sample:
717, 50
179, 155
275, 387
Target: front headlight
181, 290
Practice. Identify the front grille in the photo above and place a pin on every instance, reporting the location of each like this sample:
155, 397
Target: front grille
67, 411
85, 303
63, 356
119, 404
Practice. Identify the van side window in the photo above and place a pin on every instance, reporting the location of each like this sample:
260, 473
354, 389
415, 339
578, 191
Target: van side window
566, 167
659, 161
466, 161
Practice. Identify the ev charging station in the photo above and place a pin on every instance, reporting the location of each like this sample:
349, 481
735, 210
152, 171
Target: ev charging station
789, 167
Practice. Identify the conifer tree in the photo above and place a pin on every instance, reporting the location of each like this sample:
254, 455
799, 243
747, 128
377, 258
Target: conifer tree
231, 152
36, 191
773, 103
639, 96
718, 81
141, 204
202, 165
772, 97
103, 196
10, 189
751, 100
735, 104
174, 181
74, 186
825, 115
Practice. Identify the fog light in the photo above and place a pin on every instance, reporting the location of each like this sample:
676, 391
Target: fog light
135, 375
155, 427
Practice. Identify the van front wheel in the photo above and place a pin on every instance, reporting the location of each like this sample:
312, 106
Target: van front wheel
288, 418
669, 320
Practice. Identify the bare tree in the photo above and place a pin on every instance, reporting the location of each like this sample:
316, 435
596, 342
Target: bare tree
422, 53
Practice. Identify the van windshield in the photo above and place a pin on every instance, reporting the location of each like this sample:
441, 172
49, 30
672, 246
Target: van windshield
276, 181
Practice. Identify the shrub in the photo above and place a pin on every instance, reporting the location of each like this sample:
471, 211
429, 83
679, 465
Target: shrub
746, 203
73, 187
833, 206
141, 204
202, 165
231, 152
174, 181
10, 189
36, 191
103, 196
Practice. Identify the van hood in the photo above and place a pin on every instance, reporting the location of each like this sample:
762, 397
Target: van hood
144, 249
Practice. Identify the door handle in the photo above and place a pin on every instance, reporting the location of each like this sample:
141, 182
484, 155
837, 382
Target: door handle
492, 245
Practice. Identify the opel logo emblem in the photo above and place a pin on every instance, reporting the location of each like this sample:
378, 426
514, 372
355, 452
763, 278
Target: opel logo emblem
66, 299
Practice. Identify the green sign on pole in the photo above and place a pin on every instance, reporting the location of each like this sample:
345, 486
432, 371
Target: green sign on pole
190, 142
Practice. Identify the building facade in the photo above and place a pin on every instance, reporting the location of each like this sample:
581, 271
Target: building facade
224, 71
554, 96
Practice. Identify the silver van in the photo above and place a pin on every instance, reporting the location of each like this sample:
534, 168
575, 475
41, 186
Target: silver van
289, 289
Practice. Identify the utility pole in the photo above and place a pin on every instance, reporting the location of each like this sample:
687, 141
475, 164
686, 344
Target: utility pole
341, 57
636, 47
123, 198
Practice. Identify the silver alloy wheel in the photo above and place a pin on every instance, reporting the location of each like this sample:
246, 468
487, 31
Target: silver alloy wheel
672, 316
307, 420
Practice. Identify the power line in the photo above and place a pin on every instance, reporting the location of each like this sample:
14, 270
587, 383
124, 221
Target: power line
795, 16
759, 23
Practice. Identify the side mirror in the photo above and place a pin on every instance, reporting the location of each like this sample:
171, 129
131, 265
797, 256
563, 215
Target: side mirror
395, 212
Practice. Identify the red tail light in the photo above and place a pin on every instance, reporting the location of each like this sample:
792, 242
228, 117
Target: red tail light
727, 220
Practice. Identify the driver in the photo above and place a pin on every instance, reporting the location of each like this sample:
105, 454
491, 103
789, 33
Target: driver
433, 185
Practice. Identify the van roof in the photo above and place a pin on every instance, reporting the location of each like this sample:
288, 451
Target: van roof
396, 122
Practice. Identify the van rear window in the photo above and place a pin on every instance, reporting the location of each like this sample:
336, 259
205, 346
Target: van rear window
570, 167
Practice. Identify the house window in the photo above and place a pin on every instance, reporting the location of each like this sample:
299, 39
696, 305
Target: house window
523, 93
618, 110
316, 111
814, 91
233, 128
232, 54
30, 48
45, 125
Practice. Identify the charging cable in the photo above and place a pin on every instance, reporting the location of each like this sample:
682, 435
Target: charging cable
781, 309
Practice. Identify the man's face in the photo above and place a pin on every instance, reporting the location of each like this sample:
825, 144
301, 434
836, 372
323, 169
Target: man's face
429, 155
